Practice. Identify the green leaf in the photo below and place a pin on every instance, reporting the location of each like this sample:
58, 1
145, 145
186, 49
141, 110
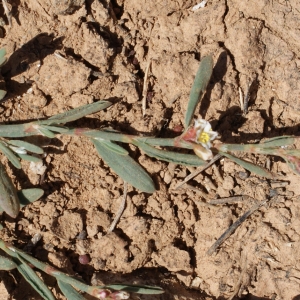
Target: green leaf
28, 196
10, 155
19, 130
27, 146
140, 289
173, 157
2, 94
6, 264
127, 168
278, 141
56, 128
9, 201
76, 113
2, 56
2, 52
114, 147
249, 166
29, 158
46, 132
69, 291
31, 277
101, 135
199, 87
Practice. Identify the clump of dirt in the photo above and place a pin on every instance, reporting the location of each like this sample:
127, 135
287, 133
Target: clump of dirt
63, 54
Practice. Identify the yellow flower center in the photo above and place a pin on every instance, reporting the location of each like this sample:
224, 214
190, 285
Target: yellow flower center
203, 138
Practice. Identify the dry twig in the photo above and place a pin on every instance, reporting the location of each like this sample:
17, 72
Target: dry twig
120, 211
246, 98
234, 226
217, 173
7, 11
239, 284
241, 99
197, 172
229, 200
145, 87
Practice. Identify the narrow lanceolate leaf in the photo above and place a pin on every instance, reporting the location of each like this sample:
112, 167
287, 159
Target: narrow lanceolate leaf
198, 89
278, 141
6, 264
2, 94
9, 201
76, 113
29, 158
293, 162
114, 147
46, 132
28, 196
19, 130
69, 291
10, 155
27, 146
140, 289
2, 56
58, 129
127, 168
249, 166
31, 277
14, 252
101, 135
173, 157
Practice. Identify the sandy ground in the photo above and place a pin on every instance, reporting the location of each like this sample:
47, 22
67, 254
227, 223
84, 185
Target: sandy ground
63, 54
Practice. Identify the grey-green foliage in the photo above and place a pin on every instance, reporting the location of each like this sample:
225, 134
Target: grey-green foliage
110, 146
126, 167
69, 286
199, 87
8, 194
10, 199
2, 62
113, 154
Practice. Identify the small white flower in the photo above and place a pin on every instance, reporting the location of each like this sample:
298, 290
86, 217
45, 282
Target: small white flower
204, 133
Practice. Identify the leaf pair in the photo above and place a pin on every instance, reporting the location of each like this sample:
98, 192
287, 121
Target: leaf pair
130, 171
127, 168
15, 149
272, 146
68, 285
10, 200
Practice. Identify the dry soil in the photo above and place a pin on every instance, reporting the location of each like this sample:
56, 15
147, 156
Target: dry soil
63, 54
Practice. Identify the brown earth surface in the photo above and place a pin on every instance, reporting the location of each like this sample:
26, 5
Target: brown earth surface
63, 54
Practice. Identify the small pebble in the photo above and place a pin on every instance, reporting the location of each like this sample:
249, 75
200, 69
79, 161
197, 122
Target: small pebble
84, 259
243, 175
82, 235
167, 177
273, 193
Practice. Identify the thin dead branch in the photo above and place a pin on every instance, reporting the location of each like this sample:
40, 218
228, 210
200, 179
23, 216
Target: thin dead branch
217, 173
229, 200
246, 98
7, 11
234, 226
197, 172
239, 284
145, 87
241, 99
120, 211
